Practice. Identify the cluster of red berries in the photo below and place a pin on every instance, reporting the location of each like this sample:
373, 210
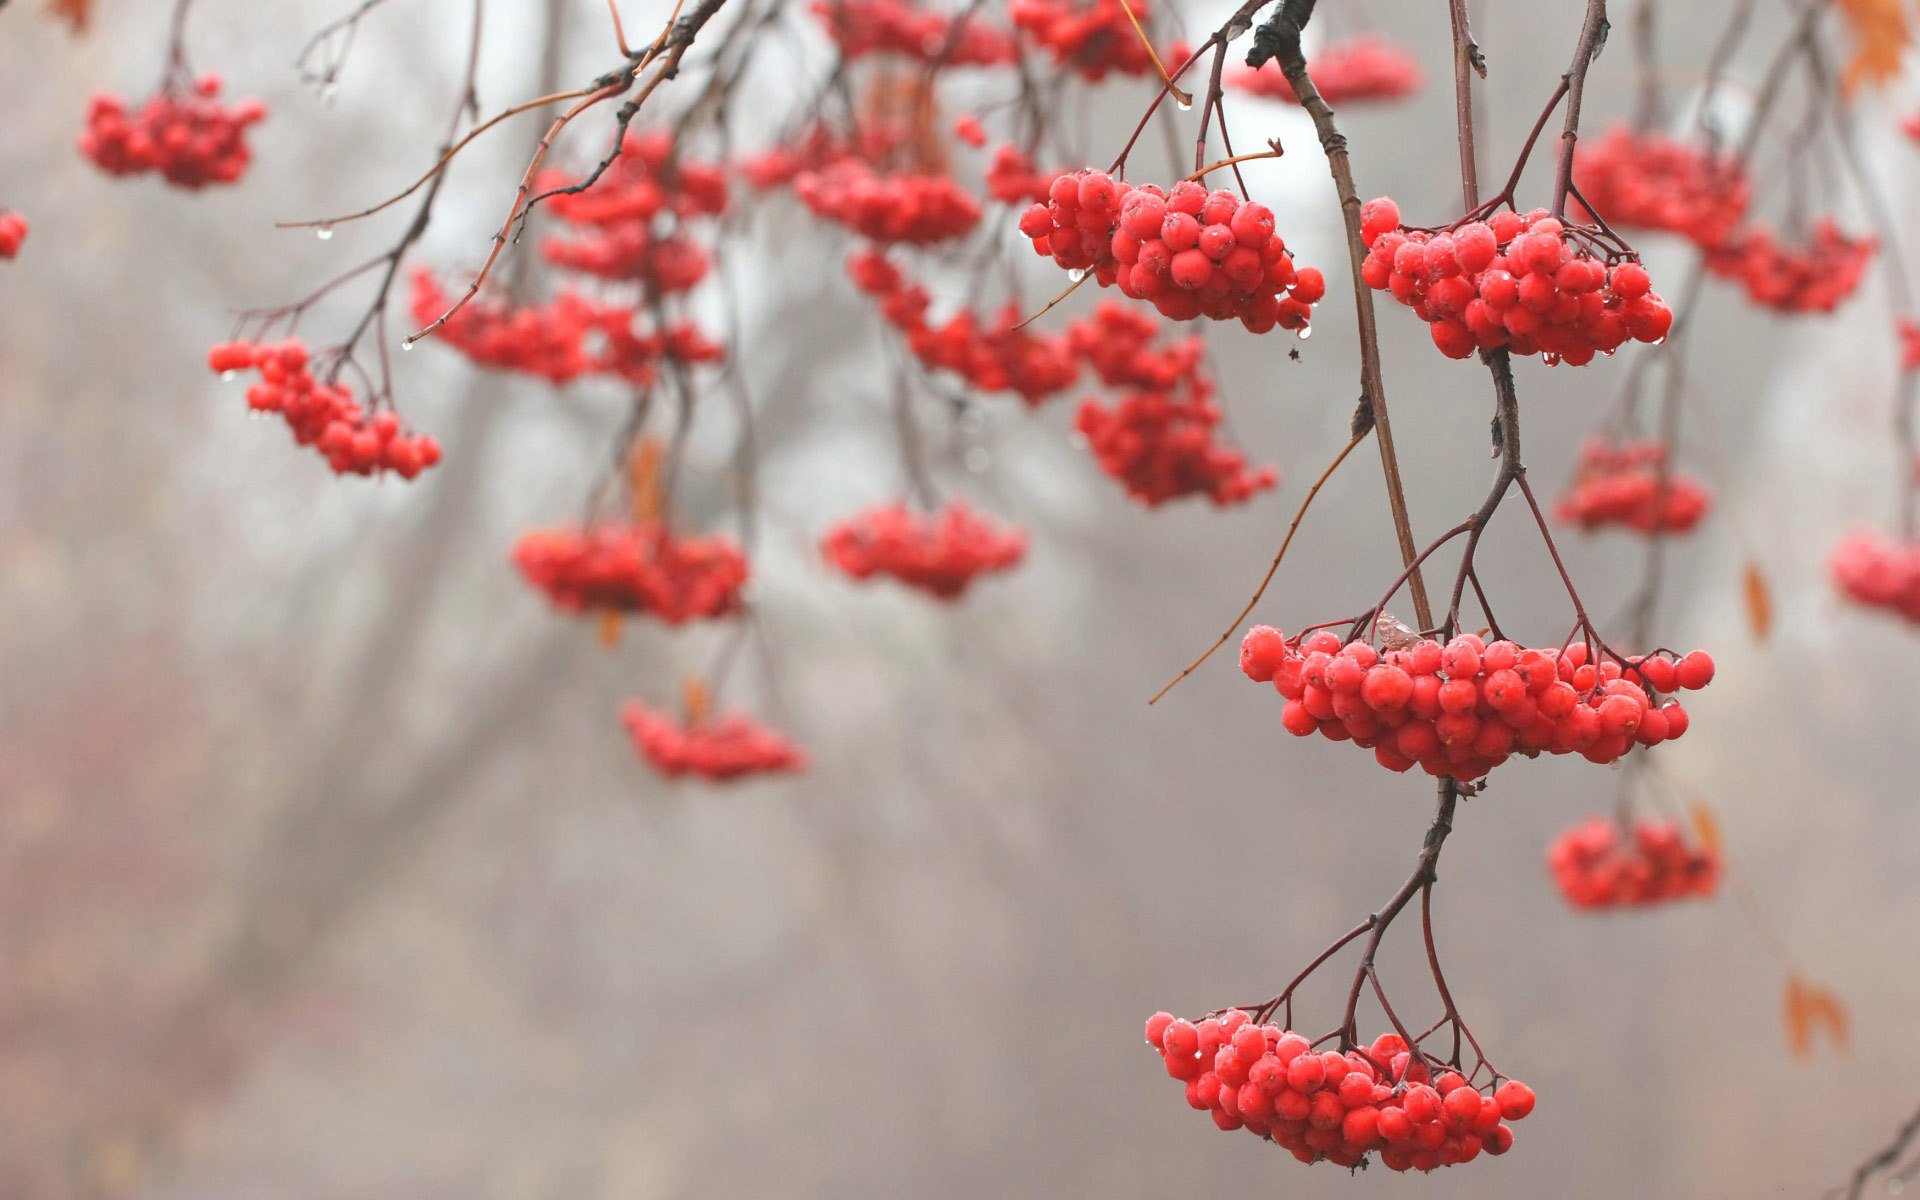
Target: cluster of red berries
1367, 67
618, 213
917, 209
189, 137
1116, 341
1013, 179
1597, 865
1621, 484
866, 27
634, 568
1160, 446
325, 415
1879, 572
722, 749
993, 356
1326, 1105
1650, 181
565, 339
1814, 277
941, 553
1462, 709
821, 146
1191, 252
1091, 37
13, 232
1511, 281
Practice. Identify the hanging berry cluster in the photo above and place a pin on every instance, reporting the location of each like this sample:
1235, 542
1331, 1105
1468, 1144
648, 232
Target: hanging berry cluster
325, 415
646, 186
863, 28
1513, 281
1644, 180
1161, 446
993, 355
1190, 252
568, 338
1879, 572
919, 209
1011, 177
1331, 1106
1628, 485
1596, 865
941, 553
13, 233
644, 568
721, 749
186, 135
1367, 67
1094, 38
1462, 709
1812, 277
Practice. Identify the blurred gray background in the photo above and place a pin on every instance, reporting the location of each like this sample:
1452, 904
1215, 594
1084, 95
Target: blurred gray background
326, 870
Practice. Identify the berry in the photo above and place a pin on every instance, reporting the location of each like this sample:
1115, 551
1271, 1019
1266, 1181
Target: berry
634, 568
184, 134
722, 749
1879, 572
1461, 710
1091, 37
1620, 484
1536, 292
1327, 1106
863, 28
13, 232
1813, 277
1361, 68
325, 415
940, 554
1597, 865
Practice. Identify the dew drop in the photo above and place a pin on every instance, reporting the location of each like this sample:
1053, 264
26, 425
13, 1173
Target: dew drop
1185, 105
324, 233
978, 460
407, 344
229, 376
1076, 275
1306, 331
1896, 1186
1661, 342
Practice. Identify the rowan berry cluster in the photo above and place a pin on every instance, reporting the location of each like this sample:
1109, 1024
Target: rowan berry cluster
819, 147
1813, 277
866, 27
1650, 181
13, 233
917, 209
1091, 37
1188, 251
722, 749
188, 136
992, 355
1161, 446
634, 568
1622, 484
567, 338
1013, 179
941, 553
1461, 709
1598, 865
1336, 1107
618, 212
1511, 281
1879, 572
1367, 67
1116, 341
325, 415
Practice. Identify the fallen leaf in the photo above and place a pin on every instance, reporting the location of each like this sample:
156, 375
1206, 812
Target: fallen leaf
1880, 35
1706, 827
76, 13
694, 701
1808, 1005
609, 627
1759, 601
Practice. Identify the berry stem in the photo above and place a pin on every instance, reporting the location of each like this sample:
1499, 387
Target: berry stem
1593, 32
1279, 38
1885, 1157
1425, 871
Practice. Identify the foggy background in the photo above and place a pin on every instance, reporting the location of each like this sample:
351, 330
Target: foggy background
326, 870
